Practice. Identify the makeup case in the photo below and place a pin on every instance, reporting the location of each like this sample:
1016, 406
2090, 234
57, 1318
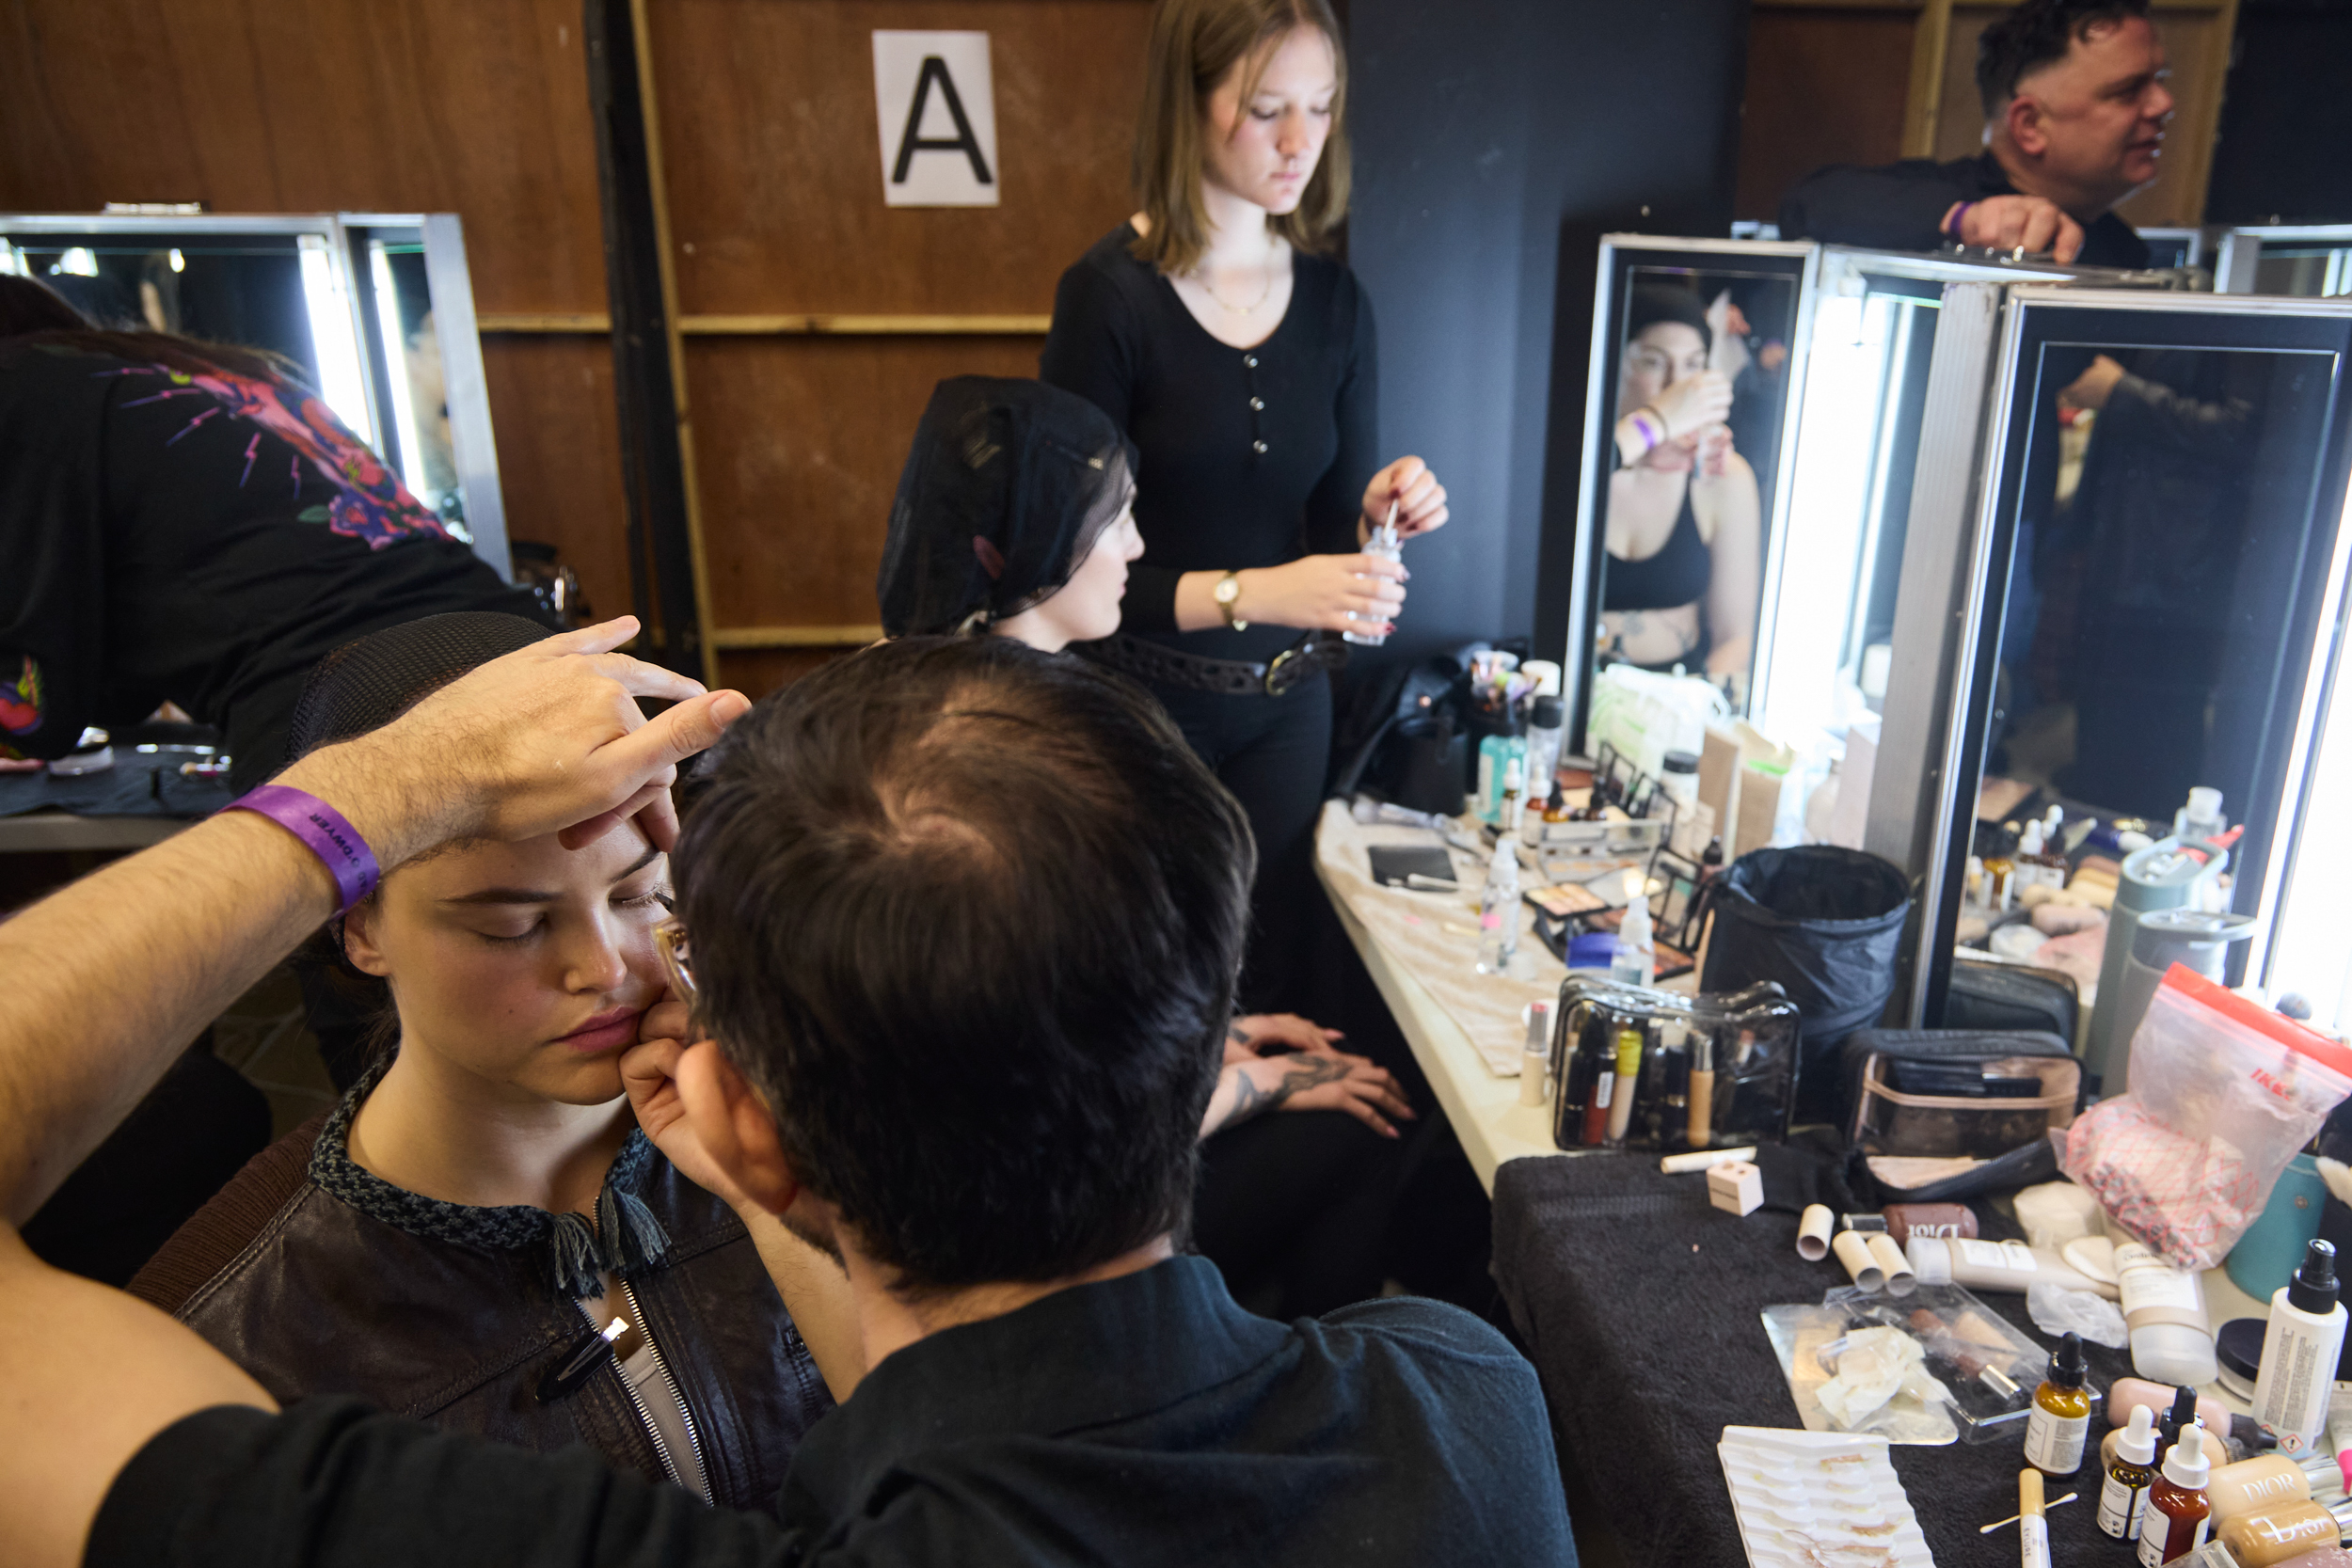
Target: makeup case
2006, 997
1746, 1040
1958, 1093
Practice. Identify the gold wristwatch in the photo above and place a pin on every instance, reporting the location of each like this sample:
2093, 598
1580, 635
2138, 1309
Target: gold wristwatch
1228, 593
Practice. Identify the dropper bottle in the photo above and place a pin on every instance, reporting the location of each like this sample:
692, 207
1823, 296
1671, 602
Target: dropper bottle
2061, 1412
2124, 1493
2178, 1514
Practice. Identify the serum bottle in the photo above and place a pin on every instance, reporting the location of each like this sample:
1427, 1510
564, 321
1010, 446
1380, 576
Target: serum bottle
2124, 1494
2061, 1412
2299, 1350
2178, 1514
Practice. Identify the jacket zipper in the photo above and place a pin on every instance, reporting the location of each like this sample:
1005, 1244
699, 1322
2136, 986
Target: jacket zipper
686, 1416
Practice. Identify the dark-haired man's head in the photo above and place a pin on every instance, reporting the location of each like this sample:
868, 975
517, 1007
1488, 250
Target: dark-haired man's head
2074, 91
968, 917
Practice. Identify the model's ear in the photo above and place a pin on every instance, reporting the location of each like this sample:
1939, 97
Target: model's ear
359, 937
2024, 118
735, 1128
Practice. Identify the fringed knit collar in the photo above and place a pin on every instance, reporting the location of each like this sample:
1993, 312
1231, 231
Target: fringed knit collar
625, 1240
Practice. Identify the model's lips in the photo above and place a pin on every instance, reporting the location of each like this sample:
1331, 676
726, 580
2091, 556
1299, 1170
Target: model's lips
604, 1032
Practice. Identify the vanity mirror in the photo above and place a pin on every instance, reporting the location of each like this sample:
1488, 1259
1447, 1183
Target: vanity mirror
374, 311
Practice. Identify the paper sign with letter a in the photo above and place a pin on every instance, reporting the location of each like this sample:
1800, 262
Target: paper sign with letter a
938, 114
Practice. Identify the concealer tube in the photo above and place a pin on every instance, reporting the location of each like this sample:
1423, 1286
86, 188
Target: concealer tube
1702, 1128
1630, 1042
1900, 1281
1813, 1231
1854, 1253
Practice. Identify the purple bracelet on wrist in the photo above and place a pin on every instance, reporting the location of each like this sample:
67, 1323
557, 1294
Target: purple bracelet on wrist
323, 832
1955, 225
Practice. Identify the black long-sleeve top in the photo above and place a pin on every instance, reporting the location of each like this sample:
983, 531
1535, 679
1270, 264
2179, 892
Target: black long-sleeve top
1250, 458
1902, 207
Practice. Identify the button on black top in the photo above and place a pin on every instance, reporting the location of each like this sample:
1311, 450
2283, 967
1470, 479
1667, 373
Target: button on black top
1250, 360
1257, 402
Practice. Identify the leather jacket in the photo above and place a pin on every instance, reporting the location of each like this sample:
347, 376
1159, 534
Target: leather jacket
424, 1308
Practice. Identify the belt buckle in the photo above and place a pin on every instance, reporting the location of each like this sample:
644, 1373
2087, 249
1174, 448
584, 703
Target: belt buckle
1289, 667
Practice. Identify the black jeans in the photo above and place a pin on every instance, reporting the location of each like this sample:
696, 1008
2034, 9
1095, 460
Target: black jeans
1273, 754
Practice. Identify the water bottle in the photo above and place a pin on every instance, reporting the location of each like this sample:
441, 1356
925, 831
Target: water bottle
1636, 963
1498, 911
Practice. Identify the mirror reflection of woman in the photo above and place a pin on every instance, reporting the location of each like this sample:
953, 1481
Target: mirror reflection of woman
1684, 529
1014, 517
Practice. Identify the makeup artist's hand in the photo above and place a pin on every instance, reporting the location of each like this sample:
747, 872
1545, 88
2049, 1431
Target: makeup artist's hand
647, 1073
1419, 499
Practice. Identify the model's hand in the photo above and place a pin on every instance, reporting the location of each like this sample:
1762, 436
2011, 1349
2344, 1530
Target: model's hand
548, 738
1715, 452
2092, 388
1322, 591
1259, 1032
1420, 499
2027, 223
1693, 402
648, 1072
1339, 1081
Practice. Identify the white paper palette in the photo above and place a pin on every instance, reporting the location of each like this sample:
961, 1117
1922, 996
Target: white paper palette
1819, 1499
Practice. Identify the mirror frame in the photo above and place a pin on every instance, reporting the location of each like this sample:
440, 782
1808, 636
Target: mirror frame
1954, 594
2240, 251
474, 445
1619, 254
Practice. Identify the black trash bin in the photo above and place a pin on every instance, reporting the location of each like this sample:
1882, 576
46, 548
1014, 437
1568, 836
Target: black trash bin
1827, 924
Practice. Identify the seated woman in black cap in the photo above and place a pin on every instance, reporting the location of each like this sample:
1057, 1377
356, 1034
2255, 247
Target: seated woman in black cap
1684, 517
1014, 519
479, 1236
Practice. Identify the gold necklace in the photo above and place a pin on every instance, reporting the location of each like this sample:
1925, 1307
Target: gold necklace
1265, 294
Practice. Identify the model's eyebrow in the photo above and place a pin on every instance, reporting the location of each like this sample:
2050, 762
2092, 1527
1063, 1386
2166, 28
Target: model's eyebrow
528, 895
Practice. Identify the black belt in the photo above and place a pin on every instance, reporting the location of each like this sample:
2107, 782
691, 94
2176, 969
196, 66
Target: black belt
1233, 677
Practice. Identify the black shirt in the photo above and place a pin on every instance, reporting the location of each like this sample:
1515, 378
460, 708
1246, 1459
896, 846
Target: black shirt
1147, 1419
1250, 458
1902, 207
202, 538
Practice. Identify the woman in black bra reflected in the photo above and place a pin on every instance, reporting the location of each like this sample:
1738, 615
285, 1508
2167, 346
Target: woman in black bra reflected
1684, 532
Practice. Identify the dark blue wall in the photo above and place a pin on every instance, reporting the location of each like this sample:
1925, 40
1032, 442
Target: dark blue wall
1496, 141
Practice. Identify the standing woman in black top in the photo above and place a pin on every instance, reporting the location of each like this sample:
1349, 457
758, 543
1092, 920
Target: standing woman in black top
1241, 363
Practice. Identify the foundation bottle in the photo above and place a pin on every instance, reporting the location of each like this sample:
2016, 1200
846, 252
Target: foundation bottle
2276, 1534
2178, 1515
2124, 1493
2061, 1412
2257, 1485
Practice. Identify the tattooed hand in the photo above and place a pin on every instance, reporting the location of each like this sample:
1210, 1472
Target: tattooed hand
1324, 1081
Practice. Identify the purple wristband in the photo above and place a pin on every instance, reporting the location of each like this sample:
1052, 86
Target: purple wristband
323, 829
1957, 224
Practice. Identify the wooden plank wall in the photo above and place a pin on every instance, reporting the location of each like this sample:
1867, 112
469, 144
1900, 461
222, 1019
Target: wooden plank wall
772, 165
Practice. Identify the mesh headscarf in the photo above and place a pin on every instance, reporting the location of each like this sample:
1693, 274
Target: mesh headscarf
1009, 486
1653, 302
367, 683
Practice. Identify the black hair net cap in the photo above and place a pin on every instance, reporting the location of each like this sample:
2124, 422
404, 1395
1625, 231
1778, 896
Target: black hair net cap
1653, 302
365, 684
1009, 486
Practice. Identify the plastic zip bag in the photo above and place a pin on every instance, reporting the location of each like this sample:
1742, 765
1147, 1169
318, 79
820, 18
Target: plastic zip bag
2223, 1092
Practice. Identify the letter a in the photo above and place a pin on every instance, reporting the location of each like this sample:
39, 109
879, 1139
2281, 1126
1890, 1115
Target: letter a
911, 142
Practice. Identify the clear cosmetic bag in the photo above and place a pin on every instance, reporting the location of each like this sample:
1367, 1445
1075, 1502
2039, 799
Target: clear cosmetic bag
1730, 1070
